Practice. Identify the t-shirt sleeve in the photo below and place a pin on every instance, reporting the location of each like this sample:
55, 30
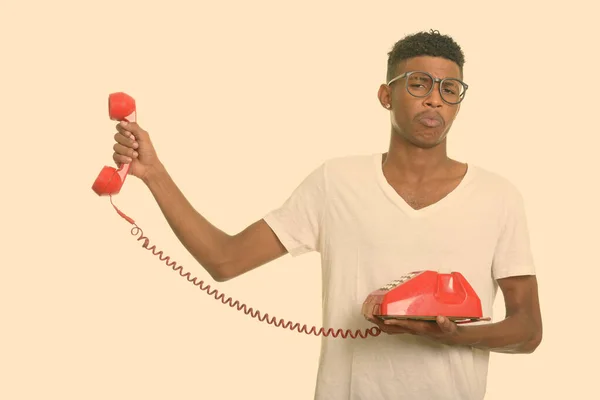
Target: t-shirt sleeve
513, 255
297, 223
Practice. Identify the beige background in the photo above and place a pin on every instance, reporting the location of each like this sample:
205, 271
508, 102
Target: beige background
243, 99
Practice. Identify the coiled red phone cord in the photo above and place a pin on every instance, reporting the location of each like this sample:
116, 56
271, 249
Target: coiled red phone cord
137, 231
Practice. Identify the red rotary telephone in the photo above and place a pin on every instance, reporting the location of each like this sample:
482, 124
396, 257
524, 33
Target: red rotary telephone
421, 295
424, 295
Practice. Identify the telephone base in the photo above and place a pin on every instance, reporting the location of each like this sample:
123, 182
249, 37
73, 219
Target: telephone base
430, 318
423, 295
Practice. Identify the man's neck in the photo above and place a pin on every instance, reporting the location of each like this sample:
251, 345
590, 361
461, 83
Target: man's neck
410, 163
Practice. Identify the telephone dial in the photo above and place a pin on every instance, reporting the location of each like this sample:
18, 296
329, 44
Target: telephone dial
420, 295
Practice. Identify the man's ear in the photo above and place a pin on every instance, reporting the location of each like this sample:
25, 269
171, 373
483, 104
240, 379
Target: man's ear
385, 96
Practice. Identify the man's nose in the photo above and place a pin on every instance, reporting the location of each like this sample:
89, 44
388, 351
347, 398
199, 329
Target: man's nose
434, 99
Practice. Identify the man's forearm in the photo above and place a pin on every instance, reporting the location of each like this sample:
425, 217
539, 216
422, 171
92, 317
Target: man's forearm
205, 242
513, 335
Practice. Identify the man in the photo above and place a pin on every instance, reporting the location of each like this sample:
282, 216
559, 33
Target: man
376, 217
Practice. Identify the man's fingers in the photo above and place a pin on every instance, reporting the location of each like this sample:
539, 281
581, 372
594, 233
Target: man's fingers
126, 140
124, 150
124, 131
407, 323
131, 128
368, 309
394, 330
445, 324
120, 159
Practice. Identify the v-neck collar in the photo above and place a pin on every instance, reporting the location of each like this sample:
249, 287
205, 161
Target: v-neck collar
402, 204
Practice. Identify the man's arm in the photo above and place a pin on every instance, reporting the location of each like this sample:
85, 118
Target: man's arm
521, 329
222, 255
513, 267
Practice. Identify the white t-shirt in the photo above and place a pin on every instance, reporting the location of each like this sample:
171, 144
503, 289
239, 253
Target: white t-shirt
367, 236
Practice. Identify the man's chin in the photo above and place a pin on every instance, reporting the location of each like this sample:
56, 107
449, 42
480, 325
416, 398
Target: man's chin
426, 145
424, 138
428, 139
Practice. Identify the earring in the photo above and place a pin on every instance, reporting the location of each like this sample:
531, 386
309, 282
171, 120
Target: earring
387, 106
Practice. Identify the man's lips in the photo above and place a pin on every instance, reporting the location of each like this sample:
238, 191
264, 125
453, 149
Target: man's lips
430, 119
430, 122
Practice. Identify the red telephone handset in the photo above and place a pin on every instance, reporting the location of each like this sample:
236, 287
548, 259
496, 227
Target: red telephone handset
121, 107
419, 295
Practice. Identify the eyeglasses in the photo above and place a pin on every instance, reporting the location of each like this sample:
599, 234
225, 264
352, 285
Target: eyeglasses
420, 84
